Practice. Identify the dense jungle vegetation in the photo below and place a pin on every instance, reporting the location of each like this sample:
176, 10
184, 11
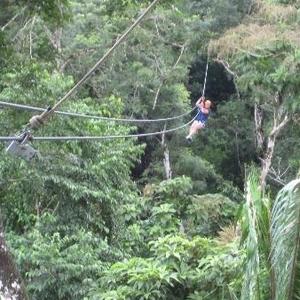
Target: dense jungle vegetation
152, 217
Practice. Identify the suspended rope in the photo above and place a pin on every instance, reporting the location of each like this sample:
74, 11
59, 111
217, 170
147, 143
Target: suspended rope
96, 138
72, 114
205, 78
36, 121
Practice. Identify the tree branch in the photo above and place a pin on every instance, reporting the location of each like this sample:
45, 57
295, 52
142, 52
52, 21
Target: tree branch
30, 37
157, 94
12, 19
268, 155
276, 129
9, 22
23, 28
166, 77
278, 180
225, 65
227, 68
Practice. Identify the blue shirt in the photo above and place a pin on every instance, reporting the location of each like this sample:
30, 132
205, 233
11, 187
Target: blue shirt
202, 117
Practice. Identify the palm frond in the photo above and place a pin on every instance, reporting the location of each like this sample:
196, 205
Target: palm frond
285, 238
255, 237
250, 289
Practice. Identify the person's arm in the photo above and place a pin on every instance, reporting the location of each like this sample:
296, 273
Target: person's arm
199, 103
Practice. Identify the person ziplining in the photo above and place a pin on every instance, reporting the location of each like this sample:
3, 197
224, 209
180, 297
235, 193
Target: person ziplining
204, 107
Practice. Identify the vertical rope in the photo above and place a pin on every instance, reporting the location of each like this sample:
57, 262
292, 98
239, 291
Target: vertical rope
205, 78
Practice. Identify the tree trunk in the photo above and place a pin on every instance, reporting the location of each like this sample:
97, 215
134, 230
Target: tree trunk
55, 40
268, 154
280, 119
167, 164
258, 117
267, 160
11, 286
166, 160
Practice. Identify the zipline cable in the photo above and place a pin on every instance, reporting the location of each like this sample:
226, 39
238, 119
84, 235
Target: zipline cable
40, 119
72, 114
97, 138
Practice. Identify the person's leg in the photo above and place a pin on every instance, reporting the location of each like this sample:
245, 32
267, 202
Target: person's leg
195, 127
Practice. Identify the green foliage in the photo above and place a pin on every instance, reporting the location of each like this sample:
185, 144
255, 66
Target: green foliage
207, 214
169, 207
175, 192
48, 259
179, 268
272, 71
78, 227
120, 7
173, 189
83, 179
164, 215
291, 2
56, 11
264, 58
271, 242
228, 143
156, 214
42, 84
147, 279
4, 50
204, 177
202, 173
252, 236
213, 17
137, 68
285, 241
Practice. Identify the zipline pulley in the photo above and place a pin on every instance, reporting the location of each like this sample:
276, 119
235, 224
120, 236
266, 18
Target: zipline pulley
21, 148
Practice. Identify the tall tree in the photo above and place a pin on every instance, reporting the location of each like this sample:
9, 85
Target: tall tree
266, 65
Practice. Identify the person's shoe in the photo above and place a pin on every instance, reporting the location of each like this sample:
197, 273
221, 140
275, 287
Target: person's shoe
188, 139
